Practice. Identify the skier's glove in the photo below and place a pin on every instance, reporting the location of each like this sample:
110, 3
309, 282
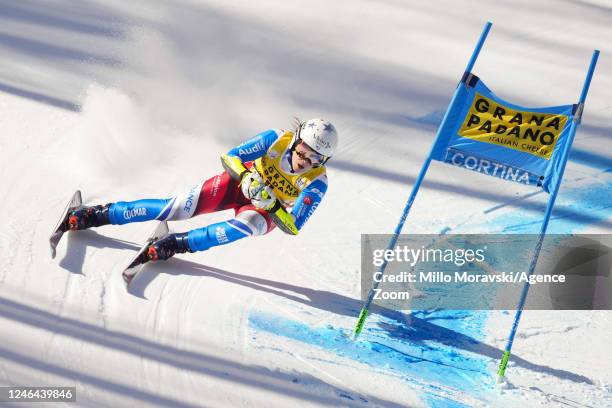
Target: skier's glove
254, 188
265, 199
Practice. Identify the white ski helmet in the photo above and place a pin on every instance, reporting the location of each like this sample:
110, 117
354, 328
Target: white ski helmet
320, 135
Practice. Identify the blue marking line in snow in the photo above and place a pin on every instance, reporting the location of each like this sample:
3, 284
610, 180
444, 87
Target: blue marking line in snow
437, 368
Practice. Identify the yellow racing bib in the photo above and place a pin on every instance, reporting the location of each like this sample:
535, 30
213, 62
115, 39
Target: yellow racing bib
287, 186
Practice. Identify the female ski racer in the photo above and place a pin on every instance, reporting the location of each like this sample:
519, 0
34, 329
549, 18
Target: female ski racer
275, 179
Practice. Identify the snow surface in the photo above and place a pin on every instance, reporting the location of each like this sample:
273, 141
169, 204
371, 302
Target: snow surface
127, 100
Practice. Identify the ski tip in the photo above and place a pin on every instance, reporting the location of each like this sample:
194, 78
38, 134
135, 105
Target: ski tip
53, 253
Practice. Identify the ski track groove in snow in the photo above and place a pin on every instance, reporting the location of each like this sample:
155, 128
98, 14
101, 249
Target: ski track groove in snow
25, 254
104, 280
8, 261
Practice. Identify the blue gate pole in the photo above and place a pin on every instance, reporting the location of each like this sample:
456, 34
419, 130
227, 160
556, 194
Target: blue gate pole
415, 189
549, 207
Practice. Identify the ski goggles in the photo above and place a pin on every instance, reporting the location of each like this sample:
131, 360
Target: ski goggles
304, 152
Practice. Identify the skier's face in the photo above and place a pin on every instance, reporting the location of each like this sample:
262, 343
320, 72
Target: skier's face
304, 158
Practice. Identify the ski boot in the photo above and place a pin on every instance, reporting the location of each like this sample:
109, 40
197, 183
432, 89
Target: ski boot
164, 248
84, 217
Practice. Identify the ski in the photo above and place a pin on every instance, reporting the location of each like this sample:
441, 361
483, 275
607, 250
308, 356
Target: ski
134, 267
56, 236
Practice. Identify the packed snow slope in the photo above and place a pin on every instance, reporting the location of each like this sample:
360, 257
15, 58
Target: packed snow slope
128, 100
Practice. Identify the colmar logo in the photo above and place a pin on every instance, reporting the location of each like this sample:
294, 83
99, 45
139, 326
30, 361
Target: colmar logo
135, 212
312, 210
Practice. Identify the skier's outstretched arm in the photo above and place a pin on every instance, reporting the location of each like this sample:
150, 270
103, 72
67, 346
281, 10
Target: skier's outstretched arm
305, 206
254, 148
